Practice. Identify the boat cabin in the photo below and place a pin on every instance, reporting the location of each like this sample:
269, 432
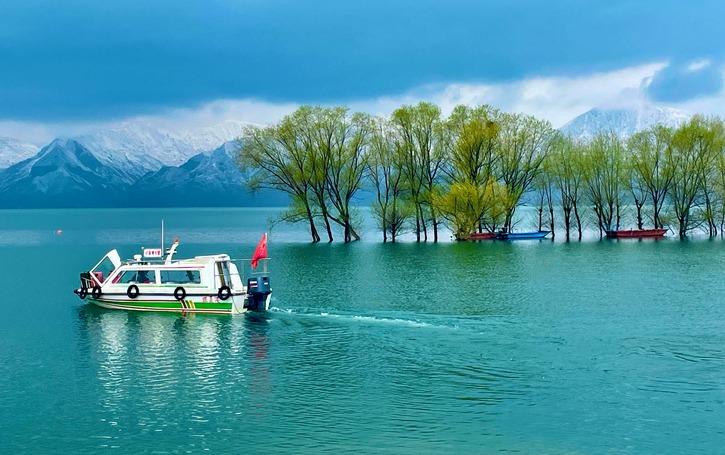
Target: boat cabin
207, 272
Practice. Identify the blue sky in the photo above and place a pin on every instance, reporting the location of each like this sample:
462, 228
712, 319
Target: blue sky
79, 61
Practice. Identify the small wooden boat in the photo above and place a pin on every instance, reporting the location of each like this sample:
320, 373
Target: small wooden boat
535, 235
482, 236
636, 233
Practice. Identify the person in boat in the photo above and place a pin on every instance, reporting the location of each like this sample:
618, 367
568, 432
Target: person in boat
143, 276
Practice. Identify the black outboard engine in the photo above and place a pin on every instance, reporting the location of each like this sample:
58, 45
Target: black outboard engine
257, 291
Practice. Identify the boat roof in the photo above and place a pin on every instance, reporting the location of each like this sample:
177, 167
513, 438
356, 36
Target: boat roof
195, 262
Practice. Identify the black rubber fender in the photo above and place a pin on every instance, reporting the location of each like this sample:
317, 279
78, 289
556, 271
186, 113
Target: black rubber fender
96, 292
224, 293
180, 293
132, 292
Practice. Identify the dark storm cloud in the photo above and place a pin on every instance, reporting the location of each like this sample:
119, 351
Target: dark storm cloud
89, 59
683, 82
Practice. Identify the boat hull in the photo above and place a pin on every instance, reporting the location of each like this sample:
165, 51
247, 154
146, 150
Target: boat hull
636, 233
177, 306
236, 304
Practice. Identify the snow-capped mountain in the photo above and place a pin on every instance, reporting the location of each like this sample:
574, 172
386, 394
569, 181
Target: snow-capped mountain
623, 122
63, 174
140, 147
206, 179
13, 151
209, 179
210, 138
66, 173
137, 147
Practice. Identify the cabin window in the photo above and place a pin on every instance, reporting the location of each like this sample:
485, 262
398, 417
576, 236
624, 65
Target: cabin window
181, 276
137, 276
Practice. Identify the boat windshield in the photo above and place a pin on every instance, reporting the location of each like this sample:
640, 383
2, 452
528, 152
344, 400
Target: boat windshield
106, 266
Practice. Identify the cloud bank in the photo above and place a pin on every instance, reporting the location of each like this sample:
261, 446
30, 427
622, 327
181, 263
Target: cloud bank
84, 60
556, 99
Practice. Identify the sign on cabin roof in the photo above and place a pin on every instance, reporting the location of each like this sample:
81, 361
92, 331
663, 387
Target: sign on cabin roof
152, 253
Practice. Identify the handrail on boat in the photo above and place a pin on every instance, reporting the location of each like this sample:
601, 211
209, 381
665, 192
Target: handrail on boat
242, 266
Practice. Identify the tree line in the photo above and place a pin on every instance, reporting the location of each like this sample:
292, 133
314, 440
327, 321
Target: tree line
473, 169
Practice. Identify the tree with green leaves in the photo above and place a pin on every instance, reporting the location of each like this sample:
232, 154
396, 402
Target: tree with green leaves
418, 129
650, 154
604, 167
466, 205
498, 201
524, 143
462, 207
566, 166
318, 156
694, 145
711, 197
470, 142
390, 208
545, 183
275, 158
341, 140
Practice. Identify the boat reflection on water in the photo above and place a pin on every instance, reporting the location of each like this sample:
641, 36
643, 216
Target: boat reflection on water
165, 363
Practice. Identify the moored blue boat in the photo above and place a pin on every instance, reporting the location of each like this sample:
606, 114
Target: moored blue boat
534, 235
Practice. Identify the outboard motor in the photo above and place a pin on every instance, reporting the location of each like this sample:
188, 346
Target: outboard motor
257, 291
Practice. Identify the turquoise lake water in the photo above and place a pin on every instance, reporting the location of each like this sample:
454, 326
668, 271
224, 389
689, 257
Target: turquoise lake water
531, 347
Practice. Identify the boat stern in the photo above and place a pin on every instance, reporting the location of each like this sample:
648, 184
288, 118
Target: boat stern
259, 293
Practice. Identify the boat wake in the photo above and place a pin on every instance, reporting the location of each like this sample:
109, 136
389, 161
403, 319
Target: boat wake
364, 319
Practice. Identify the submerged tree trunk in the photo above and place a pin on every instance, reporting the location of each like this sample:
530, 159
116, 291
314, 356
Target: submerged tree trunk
551, 216
313, 228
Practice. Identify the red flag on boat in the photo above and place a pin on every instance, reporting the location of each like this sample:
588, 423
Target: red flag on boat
260, 252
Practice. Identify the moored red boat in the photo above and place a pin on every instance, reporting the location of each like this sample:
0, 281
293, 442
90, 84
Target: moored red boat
636, 233
482, 236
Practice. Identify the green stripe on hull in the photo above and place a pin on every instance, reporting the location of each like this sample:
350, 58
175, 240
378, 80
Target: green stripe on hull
168, 305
